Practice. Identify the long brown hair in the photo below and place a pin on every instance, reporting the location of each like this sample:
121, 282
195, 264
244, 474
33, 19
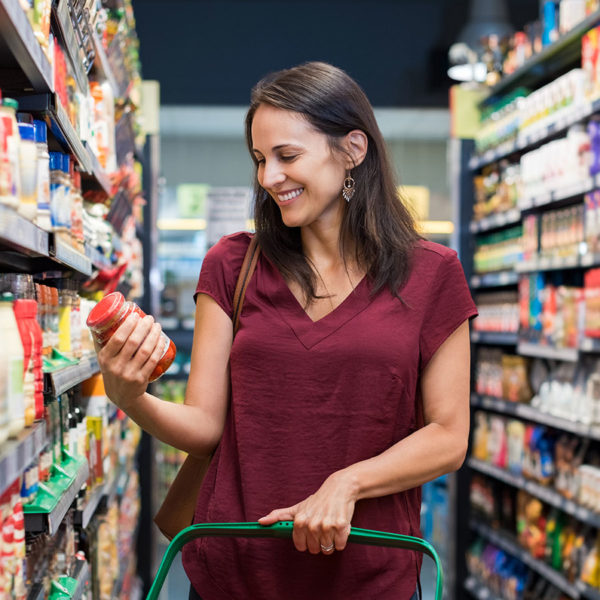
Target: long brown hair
381, 227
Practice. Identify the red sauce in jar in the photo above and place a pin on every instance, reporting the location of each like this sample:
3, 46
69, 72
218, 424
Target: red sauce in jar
106, 317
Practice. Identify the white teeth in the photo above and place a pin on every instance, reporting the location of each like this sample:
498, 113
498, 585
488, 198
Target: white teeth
290, 195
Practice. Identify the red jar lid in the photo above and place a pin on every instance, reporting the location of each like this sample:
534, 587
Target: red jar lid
105, 310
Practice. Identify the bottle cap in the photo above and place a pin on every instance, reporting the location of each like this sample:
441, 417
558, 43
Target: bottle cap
55, 161
26, 132
105, 310
41, 132
11, 103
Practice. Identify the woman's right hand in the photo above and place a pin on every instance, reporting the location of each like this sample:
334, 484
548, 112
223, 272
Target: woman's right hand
129, 357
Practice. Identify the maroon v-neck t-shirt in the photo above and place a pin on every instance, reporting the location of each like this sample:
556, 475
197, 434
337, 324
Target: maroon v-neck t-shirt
308, 399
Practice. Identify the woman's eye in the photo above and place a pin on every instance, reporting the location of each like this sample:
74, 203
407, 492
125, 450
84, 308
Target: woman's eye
288, 158
260, 161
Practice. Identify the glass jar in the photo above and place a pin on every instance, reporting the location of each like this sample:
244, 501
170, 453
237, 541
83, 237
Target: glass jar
106, 317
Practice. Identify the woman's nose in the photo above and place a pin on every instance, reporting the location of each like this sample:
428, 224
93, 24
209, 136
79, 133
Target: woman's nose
272, 175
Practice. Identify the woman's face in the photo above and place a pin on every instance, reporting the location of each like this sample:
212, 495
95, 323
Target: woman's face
297, 167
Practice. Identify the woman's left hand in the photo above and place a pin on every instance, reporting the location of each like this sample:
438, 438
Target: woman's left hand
321, 521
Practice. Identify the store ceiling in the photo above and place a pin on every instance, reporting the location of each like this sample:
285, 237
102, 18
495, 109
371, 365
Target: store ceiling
211, 52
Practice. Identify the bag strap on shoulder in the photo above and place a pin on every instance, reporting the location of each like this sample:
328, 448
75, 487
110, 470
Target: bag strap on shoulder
246, 272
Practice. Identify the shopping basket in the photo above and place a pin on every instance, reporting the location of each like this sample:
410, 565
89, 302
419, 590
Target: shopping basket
283, 529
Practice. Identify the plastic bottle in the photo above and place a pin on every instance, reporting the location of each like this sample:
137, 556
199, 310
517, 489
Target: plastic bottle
64, 322
5, 168
65, 208
77, 212
105, 318
8, 111
11, 365
27, 172
57, 189
21, 311
42, 218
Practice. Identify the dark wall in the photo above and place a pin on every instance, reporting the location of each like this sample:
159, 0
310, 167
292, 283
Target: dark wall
213, 51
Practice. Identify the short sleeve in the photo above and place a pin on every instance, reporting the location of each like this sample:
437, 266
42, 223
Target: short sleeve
449, 304
220, 270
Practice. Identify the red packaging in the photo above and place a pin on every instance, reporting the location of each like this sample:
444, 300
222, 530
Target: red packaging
106, 317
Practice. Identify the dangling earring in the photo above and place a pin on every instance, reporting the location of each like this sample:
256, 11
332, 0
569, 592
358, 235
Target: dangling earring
348, 189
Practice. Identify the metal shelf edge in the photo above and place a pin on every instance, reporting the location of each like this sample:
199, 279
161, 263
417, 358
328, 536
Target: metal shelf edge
571, 36
29, 53
16, 230
57, 515
69, 256
535, 350
72, 48
69, 377
18, 454
530, 413
502, 541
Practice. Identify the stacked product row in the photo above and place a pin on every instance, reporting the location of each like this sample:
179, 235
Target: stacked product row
569, 391
558, 17
545, 533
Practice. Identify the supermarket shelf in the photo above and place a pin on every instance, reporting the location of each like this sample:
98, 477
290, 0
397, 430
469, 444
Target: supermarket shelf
101, 62
37, 592
63, 18
50, 106
538, 351
478, 589
63, 252
510, 545
83, 517
545, 263
552, 58
496, 221
496, 279
543, 493
66, 378
17, 455
19, 233
38, 520
82, 575
17, 35
574, 190
98, 260
97, 170
494, 337
525, 142
588, 344
587, 591
530, 413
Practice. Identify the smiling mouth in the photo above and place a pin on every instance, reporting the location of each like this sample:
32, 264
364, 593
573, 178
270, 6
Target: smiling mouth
290, 195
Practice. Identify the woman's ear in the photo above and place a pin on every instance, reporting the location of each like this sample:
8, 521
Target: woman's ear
356, 145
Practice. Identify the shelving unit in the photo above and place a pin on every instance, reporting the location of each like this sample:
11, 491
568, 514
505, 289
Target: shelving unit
500, 338
544, 493
64, 379
17, 455
510, 545
554, 60
26, 74
25, 58
479, 590
529, 413
55, 498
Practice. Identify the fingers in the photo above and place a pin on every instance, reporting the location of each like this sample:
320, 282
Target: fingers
280, 514
134, 349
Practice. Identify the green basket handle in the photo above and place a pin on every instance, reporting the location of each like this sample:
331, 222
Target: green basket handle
283, 529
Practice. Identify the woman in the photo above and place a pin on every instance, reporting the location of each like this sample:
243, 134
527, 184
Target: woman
350, 371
